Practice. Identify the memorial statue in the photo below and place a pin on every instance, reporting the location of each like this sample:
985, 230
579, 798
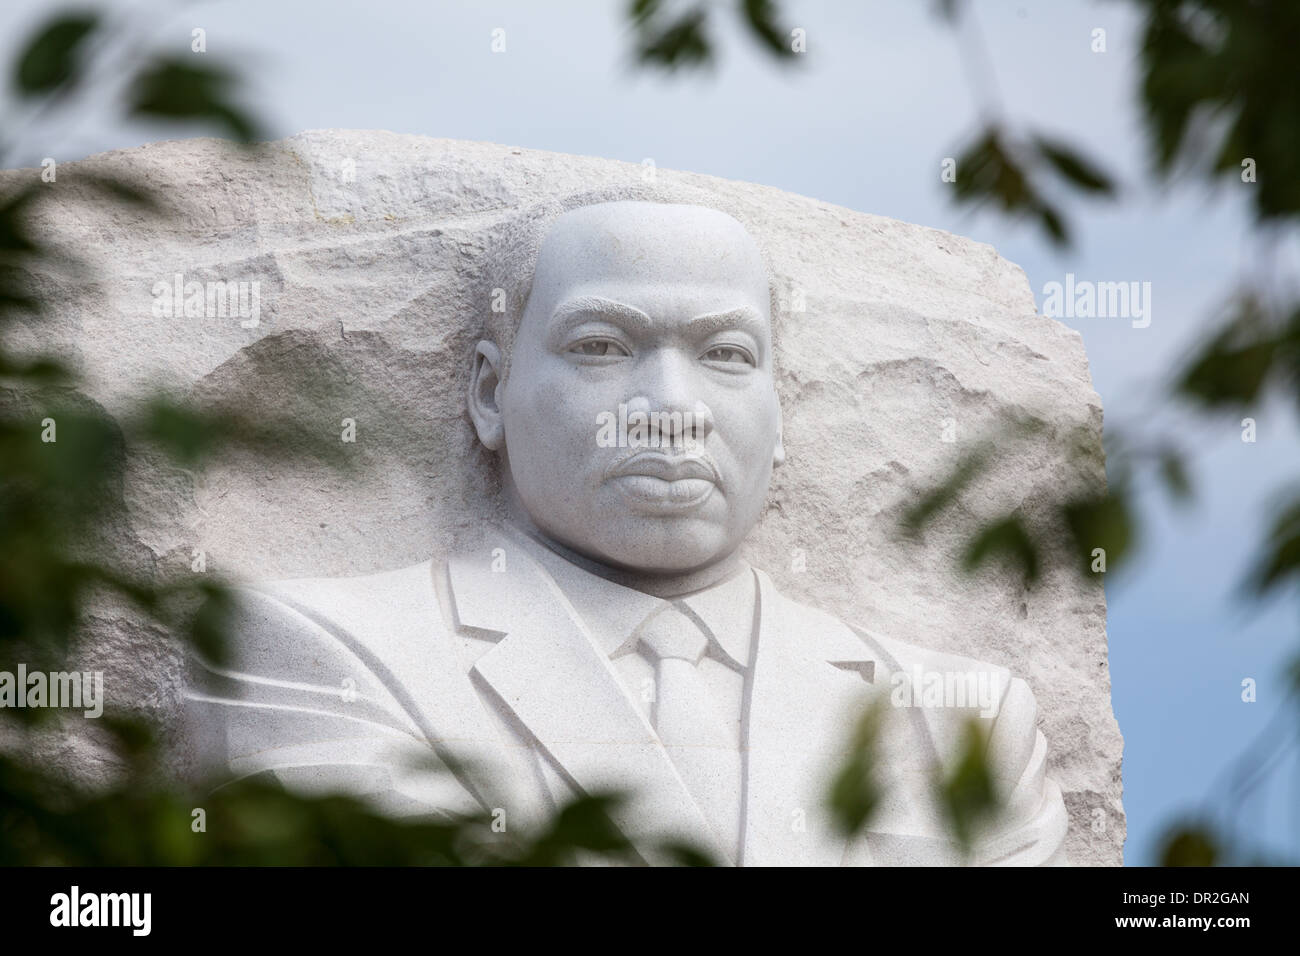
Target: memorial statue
609, 635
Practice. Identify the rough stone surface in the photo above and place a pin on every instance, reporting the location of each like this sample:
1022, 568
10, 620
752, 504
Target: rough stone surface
364, 244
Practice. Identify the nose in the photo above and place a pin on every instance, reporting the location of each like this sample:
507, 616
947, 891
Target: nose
668, 396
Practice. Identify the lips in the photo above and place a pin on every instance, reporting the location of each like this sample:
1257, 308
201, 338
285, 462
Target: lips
655, 483
667, 468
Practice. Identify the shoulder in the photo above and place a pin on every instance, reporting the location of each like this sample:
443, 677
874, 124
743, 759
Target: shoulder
944, 693
350, 603
328, 644
369, 618
323, 643
948, 690
332, 684
952, 693
824, 633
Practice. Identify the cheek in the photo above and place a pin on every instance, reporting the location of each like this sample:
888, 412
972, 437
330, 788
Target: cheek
548, 423
754, 426
760, 436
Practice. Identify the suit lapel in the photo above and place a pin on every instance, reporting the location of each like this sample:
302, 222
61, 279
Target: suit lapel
808, 684
548, 672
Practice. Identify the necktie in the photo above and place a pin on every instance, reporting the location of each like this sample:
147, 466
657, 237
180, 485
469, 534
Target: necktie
687, 721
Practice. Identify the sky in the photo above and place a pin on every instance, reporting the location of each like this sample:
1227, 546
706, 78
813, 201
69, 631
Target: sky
864, 120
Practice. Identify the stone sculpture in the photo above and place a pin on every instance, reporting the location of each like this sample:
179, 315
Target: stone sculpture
609, 635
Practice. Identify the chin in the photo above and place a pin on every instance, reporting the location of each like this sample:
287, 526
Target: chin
665, 545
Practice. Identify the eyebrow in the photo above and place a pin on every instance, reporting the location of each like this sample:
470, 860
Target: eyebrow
743, 318
570, 313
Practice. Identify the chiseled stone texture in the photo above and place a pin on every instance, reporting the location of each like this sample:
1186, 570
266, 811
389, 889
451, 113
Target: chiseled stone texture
365, 247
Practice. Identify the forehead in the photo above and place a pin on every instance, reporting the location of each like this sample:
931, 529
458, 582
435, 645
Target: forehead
678, 250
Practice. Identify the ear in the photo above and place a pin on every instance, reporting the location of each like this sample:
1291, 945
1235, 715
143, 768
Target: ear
778, 451
484, 395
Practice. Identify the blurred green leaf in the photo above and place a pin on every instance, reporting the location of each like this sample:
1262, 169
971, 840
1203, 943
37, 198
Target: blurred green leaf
1281, 558
855, 791
15, 235
582, 826
1053, 225
19, 246
1102, 521
1007, 540
935, 501
1219, 83
681, 43
966, 793
761, 17
1079, 171
123, 190
194, 436
1232, 369
41, 372
683, 854
1189, 846
188, 435
256, 822
989, 172
1173, 473
135, 738
1173, 80
210, 623
178, 89
986, 171
947, 9
51, 56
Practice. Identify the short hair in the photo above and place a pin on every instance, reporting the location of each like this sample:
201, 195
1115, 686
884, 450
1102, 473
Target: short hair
512, 245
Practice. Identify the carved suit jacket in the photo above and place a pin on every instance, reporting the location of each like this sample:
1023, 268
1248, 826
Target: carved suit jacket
334, 684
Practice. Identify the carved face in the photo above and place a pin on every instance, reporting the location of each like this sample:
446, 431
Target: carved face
639, 420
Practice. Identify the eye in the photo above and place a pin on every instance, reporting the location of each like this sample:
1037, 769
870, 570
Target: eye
600, 348
728, 355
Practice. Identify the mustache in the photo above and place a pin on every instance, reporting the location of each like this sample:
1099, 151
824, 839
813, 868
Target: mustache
665, 465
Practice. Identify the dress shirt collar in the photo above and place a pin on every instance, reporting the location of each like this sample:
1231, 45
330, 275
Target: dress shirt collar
613, 612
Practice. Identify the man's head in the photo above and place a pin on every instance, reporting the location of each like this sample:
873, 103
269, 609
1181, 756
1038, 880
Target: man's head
637, 312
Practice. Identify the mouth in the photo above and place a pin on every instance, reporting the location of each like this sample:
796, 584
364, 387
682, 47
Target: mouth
666, 483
